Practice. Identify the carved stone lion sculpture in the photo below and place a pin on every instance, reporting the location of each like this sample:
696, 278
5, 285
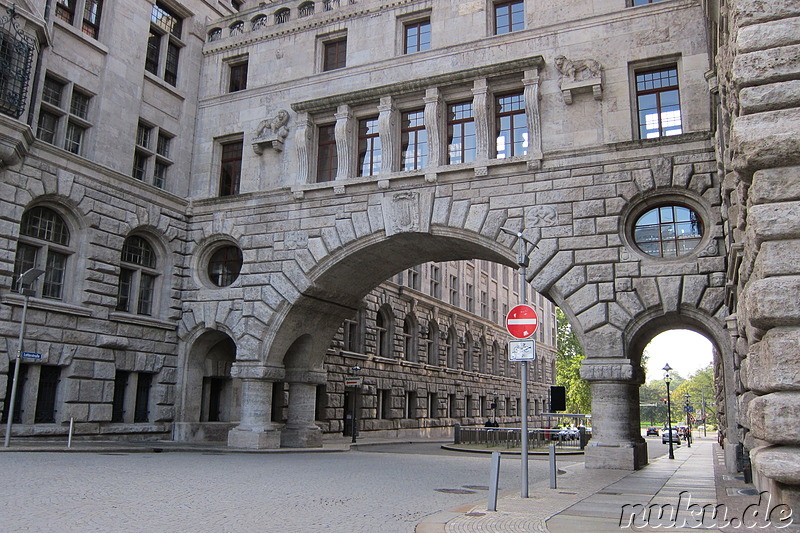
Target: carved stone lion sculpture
274, 127
578, 69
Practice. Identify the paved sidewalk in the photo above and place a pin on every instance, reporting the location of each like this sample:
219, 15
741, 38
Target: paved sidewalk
666, 494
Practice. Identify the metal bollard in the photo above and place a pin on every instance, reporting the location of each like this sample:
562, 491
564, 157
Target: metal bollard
494, 480
553, 467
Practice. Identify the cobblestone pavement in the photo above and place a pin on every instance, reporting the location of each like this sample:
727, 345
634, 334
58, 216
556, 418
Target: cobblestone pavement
231, 492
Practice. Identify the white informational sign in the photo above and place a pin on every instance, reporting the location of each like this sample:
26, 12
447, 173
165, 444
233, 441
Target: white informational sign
522, 350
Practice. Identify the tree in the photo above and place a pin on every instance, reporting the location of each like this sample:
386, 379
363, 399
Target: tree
699, 384
568, 365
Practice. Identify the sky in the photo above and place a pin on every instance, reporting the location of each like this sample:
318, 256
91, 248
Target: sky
684, 350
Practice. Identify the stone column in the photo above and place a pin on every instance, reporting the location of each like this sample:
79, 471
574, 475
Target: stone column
437, 148
531, 96
306, 153
345, 143
255, 430
616, 435
389, 136
480, 108
300, 430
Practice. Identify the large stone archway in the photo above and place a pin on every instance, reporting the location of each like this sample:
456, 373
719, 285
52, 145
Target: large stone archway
316, 253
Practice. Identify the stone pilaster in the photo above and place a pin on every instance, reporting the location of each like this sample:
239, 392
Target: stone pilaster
389, 135
300, 430
480, 109
616, 441
255, 430
306, 152
437, 153
531, 96
345, 142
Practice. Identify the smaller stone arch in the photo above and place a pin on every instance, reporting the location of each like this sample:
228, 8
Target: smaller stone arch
258, 22
411, 338
384, 332
433, 346
282, 15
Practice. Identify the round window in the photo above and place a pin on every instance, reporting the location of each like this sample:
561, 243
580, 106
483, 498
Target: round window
225, 265
668, 231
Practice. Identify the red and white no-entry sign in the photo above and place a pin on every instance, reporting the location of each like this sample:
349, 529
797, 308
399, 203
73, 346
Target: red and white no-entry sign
522, 321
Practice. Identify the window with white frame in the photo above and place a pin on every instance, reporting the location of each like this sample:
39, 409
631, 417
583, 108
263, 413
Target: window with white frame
137, 277
84, 14
164, 43
63, 114
44, 243
151, 157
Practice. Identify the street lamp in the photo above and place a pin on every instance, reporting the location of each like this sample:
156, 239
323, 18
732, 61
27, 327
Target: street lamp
355, 370
667, 379
688, 423
525, 249
24, 287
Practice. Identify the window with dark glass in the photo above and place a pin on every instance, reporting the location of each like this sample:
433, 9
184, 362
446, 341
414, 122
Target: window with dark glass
225, 265
512, 126
49, 378
334, 54
231, 168
460, 133
643, 2
164, 43
668, 231
327, 159
306, 9
65, 10
63, 116
658, 103
43, 243
137, 277
141, 412
509, 16
282, 16
417, 36
92, 10
414, 140
238, 77
369, 147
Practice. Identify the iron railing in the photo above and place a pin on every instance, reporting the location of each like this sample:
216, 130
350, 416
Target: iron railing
512, 437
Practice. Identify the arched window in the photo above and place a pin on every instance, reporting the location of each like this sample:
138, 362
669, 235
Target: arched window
306, 9
410, 338
137, 277
452, 352
495, 359
44, 241
469, 362
354, 332
225, 265
259, 22
433, 343
282, 15
215, 34
668, 231
481, 356
383, 333
237, 28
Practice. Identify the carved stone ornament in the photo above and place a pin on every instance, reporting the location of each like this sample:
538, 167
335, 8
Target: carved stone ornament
541, 216
405, 212
579, 75
271, 132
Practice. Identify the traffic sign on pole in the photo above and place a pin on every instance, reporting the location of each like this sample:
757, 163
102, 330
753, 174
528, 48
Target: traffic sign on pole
522, 321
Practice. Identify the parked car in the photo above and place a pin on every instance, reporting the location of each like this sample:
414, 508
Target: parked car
670, 434
652, 430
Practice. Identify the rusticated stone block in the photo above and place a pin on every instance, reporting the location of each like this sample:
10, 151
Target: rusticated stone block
775, 417
773, 302
777, 258
775, 184
748, 12
781, 463
766, 139
772, 364
775, 221
778, 95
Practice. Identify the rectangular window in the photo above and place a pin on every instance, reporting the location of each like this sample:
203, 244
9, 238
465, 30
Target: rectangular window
49, 377
484, 305
460, 133
334, 54
414, 140
658, 103
118, 403
454, 290
146, 284
124, 290
80, 104
141, 412
327, 159
512, 126
92, 11
74, 138
410, 410
63, 115
417, 36
231, 168
433, 405
436, 281
65, 10
470, 294
55, 272
509, 16
164, 44
238, 77
46, 127
369, 147
384, 404
413, 277
139, 165
52, 91
468, 405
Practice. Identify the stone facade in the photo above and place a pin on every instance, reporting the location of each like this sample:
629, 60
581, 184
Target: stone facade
219, 204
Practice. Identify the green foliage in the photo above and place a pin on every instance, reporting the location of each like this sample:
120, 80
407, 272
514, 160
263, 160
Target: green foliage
652, 397
568, 364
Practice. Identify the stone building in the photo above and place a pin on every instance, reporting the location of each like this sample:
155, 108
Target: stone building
217, 188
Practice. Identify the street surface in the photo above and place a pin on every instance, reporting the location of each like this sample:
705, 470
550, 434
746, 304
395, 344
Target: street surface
389, 489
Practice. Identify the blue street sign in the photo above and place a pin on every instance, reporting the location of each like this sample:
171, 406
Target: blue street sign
31, 355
